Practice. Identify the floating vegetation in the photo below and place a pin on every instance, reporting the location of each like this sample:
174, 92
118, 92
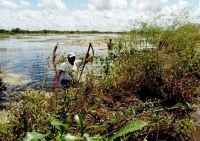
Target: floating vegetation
23, 37
2, 36
9, 50
31, 41
3, 49
5, 117
46, 40
100, 42
75, 36
76, 41
15, 79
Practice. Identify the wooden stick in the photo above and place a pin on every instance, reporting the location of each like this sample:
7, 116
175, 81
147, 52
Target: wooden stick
86, 56
54, 55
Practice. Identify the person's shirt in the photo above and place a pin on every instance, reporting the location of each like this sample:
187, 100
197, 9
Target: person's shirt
70, 72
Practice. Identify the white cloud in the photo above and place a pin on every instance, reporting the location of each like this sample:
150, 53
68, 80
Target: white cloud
76, 20
55, 5
180, 5
107, 4
11, 4
196, 14
183, 3
146, 5
24, 3
25, 19
100, 20
102, 15
8, 4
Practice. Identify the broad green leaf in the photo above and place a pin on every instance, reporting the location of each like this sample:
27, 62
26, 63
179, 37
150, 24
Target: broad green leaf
97, 138
34, 136
69, 137
79, 121
59, 126
189, 105
51, 135
100, 128
56, 122
97, 128
178, 105
2, 130
130, 127
86, 136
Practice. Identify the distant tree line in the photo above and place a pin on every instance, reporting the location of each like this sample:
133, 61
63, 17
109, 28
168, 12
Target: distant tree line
45, 31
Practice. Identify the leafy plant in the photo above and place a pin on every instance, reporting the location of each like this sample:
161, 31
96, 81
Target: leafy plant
185, 126
130, 127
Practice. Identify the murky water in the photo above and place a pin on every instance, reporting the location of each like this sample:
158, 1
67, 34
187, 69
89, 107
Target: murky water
27, 55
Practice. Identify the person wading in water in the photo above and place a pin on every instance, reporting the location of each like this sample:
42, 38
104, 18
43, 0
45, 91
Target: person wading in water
69, 70
111, 52
110, 45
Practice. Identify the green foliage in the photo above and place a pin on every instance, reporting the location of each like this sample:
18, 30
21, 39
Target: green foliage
6, 117
3, 36
130, 127
59, 126
185, 126
79, 121
34, 136
5, 127
25, 111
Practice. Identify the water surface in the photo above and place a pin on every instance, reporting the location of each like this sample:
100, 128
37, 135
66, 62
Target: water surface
27, 56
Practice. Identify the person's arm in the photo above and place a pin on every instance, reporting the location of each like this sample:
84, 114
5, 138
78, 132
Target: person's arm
54, 86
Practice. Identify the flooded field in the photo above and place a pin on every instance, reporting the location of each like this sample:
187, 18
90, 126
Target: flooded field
26, 58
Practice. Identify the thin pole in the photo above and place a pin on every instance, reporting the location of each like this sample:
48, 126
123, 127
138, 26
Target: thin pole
90, 46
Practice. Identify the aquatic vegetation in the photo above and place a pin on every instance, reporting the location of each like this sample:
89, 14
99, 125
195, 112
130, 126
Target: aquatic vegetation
6, 117
13, 79
9, 50
77, 41
22, 37
2, 36
3, 49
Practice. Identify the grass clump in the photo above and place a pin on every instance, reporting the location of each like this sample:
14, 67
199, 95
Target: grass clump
2, 36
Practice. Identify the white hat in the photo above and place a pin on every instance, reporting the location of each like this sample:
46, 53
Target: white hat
70, 54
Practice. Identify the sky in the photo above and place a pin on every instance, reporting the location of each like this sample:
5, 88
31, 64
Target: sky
84, 15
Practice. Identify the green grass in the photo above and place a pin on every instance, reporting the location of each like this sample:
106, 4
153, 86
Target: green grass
2, 36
